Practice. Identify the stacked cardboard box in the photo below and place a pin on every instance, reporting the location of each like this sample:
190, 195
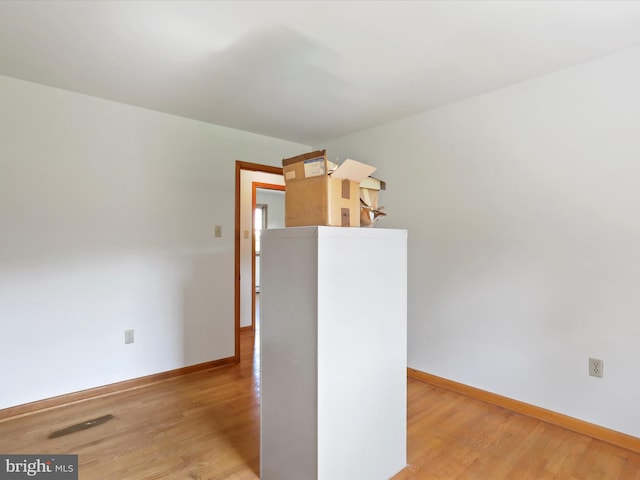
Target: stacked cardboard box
319, 192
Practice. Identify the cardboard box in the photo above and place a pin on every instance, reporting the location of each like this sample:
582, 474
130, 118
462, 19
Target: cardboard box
370, 212
320, 193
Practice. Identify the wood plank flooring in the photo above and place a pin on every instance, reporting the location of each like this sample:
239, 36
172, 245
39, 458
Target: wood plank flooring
206, 426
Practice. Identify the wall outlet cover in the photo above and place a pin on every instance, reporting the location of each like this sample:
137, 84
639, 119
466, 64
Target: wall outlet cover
596, 367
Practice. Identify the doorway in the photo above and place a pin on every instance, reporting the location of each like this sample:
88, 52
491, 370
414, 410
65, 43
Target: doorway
268, 212
246, 175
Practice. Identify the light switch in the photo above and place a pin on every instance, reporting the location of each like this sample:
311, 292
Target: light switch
218, 231
246, 234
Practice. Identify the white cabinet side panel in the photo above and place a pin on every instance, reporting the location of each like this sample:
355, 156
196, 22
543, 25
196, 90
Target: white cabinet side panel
288, 355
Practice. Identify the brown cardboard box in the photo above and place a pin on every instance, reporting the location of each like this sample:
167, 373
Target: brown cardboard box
320, 193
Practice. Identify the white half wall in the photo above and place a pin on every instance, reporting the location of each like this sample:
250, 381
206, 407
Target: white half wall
523, 209
107, 216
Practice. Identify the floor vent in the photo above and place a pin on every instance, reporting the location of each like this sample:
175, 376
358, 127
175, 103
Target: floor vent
81, 426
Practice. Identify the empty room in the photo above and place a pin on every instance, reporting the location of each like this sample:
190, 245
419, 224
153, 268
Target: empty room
147, 177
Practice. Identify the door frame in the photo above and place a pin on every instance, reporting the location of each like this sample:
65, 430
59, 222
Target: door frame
253, 167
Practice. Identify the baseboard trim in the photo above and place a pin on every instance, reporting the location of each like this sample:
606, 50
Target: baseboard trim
578, 426
111, 389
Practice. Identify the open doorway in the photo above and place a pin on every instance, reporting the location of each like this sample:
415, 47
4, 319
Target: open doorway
268, 212
246, 175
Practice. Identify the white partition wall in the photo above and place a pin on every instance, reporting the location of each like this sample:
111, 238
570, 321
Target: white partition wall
333, 353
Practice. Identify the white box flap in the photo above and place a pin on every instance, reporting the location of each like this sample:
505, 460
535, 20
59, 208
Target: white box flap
353, 170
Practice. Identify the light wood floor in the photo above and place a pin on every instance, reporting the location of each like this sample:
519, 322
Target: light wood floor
206, 426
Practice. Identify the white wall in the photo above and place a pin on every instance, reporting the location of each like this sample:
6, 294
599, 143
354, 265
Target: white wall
107, 215
274, 199
523, 210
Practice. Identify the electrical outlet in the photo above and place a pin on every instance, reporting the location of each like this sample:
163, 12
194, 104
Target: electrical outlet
596, 367
128, 336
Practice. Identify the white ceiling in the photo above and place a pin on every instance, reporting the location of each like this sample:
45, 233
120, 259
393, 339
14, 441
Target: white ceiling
303, 71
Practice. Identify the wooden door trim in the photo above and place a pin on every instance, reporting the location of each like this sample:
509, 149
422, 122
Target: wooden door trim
253, 167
